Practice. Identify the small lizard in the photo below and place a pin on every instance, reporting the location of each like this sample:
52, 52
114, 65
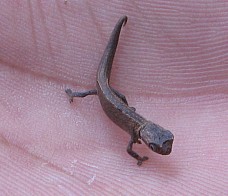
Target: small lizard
116, 106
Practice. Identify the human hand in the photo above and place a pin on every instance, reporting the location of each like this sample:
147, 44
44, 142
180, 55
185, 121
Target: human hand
171, 64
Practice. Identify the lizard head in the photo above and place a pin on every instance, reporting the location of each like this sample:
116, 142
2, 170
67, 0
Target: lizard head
157, 138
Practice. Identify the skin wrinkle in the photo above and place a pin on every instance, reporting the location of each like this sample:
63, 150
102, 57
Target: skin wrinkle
32, 25
61, 16
30, 155
44, 25
158, 67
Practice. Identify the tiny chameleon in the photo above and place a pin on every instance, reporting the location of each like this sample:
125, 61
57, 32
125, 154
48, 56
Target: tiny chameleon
116, 107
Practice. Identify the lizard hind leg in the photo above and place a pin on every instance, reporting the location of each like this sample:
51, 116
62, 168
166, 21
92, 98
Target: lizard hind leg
72, 94
122, 97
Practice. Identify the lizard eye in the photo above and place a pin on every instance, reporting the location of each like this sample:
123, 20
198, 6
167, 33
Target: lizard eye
153, 147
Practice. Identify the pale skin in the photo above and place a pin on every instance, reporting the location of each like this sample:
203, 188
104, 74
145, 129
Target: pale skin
171, 64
